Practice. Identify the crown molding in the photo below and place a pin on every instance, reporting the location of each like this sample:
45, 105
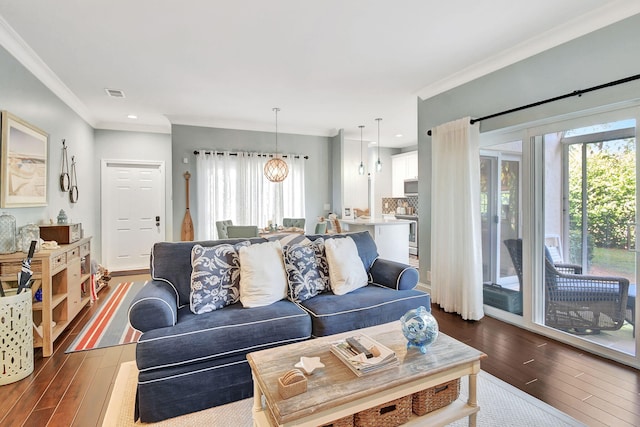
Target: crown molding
22, 52
133, 127
601, 17
238, 124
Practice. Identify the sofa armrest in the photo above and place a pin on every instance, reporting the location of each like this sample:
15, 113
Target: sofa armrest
394, 275
154, 306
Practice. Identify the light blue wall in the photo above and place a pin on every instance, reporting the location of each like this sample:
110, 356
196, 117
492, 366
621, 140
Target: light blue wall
596, 58
337, 145
26, 97
186, 139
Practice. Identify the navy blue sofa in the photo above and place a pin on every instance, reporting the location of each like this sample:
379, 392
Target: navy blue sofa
188, 362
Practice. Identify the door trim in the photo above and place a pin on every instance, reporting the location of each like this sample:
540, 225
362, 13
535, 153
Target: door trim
154, 164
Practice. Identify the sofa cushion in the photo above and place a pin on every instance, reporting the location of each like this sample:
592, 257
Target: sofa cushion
307, 270
263, 280
364, 307
215, 276
171, 263
221, 334
367, 249
345, 267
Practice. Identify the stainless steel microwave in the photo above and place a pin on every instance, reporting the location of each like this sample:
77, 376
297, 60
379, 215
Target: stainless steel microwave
410, 187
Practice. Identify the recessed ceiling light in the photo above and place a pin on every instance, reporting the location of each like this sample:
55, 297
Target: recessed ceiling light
132, 116
399, 135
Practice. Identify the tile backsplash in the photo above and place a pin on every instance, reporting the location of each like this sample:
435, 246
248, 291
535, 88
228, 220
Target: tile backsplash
389, 204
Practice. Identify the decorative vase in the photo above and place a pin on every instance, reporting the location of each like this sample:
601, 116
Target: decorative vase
420, 328
29, 233
7, 234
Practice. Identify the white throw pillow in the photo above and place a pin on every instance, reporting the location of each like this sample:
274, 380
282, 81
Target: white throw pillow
345, 266
263, 280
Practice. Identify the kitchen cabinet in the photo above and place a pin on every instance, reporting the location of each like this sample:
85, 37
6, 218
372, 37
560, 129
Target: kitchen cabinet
403, 166
64, 276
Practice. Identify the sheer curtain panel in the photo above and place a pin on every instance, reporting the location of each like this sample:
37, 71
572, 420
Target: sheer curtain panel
234, 187
456, 255
216, 181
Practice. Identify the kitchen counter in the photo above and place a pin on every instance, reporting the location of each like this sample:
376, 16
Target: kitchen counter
374, 221
391, 236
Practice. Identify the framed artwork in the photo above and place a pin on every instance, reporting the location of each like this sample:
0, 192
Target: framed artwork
348, 213
23, 164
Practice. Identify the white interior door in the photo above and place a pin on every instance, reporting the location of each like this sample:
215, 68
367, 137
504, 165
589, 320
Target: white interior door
133, 212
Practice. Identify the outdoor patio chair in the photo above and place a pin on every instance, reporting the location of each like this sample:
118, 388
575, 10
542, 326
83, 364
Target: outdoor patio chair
221, 226
577, 303
630, 315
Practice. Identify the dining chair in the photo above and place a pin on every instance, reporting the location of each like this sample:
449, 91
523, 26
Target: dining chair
239, 231
221, 226
321, 228
293, 222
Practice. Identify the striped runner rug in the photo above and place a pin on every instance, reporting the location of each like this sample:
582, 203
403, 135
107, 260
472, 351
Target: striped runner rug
109, 326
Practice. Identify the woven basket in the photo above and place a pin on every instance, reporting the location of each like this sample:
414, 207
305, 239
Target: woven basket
390, 414
290, 390
342, 422
436, 397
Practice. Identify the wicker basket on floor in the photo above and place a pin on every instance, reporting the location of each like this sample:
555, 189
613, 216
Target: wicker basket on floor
436, 397
390, 414
342, 422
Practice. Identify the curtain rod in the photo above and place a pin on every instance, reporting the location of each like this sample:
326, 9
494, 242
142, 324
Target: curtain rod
579, 92
196, 152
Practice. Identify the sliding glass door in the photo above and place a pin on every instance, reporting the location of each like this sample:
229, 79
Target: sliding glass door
500, 203
589, 227
568, 195
581, 233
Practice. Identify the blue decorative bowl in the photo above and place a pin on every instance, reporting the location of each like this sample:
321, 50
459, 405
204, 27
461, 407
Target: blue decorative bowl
420, 328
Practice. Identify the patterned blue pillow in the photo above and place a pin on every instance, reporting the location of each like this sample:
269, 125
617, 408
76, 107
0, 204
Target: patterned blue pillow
215, 276
307, 270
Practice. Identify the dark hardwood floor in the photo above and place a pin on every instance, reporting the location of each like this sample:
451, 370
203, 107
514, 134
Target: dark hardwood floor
73, 389
593, 390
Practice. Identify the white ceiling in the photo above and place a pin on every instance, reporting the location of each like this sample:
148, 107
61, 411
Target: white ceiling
327, 64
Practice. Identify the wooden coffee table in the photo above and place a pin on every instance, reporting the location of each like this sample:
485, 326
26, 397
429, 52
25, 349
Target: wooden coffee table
335, 391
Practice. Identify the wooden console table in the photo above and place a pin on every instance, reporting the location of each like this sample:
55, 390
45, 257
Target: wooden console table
64, 275
334, 391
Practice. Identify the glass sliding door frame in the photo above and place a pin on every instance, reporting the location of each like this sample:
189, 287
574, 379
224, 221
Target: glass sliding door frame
497, 216
533, 224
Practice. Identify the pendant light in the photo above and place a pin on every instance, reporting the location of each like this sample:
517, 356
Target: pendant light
361, 167
378, 163
276, 169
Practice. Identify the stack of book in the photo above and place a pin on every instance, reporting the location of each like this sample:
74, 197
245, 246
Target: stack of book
364, 355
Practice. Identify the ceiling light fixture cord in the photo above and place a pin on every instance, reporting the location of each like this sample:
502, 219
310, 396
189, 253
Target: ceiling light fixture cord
361, 167
378, 163
276, 109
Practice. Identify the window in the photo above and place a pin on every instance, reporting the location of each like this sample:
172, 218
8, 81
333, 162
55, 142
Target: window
232, 186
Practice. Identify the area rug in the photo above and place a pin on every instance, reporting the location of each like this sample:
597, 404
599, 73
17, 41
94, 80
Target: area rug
109, 326
501, 404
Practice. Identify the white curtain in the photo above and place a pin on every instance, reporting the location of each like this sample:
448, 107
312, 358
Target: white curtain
234, 187
456, 240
